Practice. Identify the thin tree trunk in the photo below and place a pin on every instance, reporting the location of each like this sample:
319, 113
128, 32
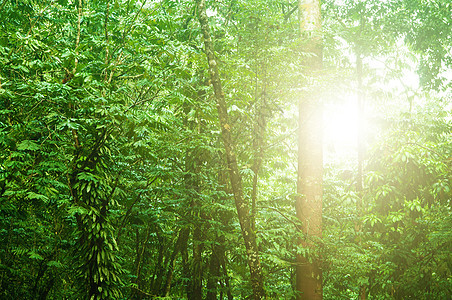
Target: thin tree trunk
184, 257
181, 240
248, 234
140, 250
46, 289
258, 146
214, 270
156, 279
192, 163
361, 150
196, 269
223, 181
42, 270
225, 274
310, 160
360, 142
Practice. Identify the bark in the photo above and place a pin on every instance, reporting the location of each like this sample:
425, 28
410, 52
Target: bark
309, 203
181, 241
214, 270
156, 278
137, 258
225, 216
310, 159
46, 289
360, 142
192, 183
140, 247
248, 234
258, 147
226, 276
41, 292
196, 270
184, 257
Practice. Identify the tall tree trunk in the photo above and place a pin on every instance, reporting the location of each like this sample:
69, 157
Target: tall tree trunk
181, 242
157, 276
196, 267
361, 150
310, 159
224, 217
192, 163
359, 140
225, 275
214, 269
260, 125
245, 220
140, 249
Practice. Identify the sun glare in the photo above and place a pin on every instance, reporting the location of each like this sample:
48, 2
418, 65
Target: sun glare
341, 128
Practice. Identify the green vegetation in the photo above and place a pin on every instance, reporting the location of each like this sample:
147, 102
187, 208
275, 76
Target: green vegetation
131, 169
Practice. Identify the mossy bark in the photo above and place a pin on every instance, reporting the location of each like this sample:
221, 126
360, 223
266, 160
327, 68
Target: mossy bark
243, 211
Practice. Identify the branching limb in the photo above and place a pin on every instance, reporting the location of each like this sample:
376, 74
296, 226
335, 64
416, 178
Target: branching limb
297, 225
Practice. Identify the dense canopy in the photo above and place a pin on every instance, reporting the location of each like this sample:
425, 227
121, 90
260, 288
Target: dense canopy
152, 149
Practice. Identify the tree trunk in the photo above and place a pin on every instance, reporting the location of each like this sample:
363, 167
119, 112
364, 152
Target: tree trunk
248, 234
157, 276
196, 267
192, 163
181, 241
310, 160
140, 256
225, 216
361, 151
214, 269
260, 125
225, 275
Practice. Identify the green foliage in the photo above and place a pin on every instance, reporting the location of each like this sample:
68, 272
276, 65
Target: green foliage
113, 181
397, 252
429, 34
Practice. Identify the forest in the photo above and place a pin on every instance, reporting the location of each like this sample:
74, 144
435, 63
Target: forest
229, 149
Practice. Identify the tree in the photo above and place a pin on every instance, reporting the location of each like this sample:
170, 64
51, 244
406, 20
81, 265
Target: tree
115, 178
310, 160
243, 212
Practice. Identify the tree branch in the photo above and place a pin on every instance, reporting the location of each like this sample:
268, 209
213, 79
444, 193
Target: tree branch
429, 149
129, 210
297, 226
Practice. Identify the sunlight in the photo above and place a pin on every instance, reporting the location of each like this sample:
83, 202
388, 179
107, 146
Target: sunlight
341, 128
341, 115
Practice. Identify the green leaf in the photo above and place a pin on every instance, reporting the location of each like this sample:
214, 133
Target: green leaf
32, 195
55, 264
34, 255
28, 145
